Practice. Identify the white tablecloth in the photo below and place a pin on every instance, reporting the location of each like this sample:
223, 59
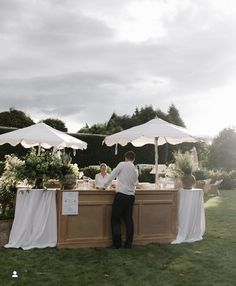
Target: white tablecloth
191, 217
35, 222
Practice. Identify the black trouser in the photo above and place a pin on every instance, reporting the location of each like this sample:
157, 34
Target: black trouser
122, 209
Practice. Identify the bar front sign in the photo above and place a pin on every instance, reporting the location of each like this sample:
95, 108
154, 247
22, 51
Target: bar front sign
70, 203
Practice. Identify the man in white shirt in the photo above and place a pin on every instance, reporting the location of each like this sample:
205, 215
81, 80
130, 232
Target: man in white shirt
122, 208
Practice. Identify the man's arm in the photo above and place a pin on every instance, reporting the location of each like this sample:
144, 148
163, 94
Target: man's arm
112, 176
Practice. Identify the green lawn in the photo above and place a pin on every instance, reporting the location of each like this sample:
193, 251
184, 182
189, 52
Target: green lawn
211, 261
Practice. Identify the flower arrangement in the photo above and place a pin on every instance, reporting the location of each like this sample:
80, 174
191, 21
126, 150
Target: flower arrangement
184, 168
68, 172
66, 167
43, 166
35, 169
183, 163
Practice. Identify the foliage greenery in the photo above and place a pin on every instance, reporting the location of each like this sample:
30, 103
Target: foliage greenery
145, 176
98, 152
220, 155
8, 186
7, 207
222, 152
203, 263
15, 118
118, 123
2, 164
91, 171
56, 123
229, 178
201, 174
144, 173
45, 165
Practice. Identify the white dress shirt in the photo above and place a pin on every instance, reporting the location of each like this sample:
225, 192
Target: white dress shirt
100, 180
127, 178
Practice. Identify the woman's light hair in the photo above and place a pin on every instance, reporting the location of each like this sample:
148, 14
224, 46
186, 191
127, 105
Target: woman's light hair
103, 165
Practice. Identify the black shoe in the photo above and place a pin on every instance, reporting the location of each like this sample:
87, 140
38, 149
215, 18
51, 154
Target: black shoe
114, 247
127, 246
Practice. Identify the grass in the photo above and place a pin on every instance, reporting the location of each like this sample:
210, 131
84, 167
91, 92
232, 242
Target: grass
208, 262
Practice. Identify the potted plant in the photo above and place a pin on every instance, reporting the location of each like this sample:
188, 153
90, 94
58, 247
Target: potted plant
68, 173
184, 168
36, 168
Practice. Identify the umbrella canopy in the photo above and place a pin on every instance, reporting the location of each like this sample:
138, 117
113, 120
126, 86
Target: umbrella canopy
41, 135
155, 131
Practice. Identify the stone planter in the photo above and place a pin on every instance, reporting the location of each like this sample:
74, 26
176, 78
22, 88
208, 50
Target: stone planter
39, 183
52, 184
69, 182
188, 181
5, 228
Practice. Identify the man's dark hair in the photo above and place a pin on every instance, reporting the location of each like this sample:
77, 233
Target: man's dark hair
130, 155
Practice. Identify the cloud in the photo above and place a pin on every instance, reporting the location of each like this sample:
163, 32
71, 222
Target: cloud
38, 38
82, 60
61, 95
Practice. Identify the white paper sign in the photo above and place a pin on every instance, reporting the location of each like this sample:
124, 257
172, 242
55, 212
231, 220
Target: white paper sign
70, 203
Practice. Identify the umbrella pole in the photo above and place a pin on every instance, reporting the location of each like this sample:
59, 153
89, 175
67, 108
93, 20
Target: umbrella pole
39, 149
156, 161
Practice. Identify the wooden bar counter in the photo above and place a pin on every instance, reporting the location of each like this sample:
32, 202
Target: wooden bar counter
155, 218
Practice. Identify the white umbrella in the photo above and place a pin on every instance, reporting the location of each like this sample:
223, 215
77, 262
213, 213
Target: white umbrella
41, 135
155, 131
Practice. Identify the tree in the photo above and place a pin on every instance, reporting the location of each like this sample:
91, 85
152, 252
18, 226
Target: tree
118, 123
56, 123
162, 115
113, 124
84, 129
143, 115
222, 154
174, 117
98, 128
15, 118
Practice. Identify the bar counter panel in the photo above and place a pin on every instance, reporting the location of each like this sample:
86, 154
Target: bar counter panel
155, 218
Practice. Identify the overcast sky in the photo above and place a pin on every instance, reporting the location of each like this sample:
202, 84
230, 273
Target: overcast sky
82, 60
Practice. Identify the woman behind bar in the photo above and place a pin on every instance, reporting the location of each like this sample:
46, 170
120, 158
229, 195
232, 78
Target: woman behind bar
100, 177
